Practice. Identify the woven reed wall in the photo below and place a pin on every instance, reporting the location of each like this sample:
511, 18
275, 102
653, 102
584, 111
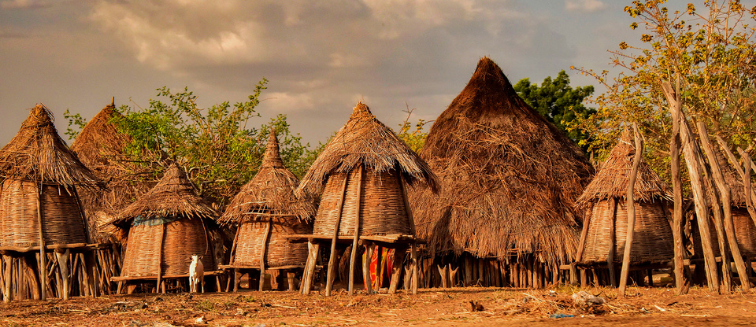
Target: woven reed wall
382, 205
280, 251
62, 221
182, 238
745, 234
652, 241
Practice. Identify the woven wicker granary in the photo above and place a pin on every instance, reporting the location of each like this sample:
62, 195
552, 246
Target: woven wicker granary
268, 201
365, 151
37, 155
605, 198
167, 225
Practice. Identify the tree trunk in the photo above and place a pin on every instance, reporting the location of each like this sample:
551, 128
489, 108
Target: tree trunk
631, 210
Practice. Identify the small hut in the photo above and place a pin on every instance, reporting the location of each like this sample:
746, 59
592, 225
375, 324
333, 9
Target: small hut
605, 226
166, 227
100, 147
362, 177
265, 210
40, 211
509, 183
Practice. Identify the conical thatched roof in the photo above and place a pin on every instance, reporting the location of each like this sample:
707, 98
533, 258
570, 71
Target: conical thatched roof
173, 196
37, 152
365, 140
611, 180
271, 191
509, 177
99, 142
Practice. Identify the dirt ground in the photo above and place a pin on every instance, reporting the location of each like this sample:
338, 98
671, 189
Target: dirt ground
430, 307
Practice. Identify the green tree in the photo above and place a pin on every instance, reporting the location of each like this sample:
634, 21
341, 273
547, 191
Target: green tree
558, 102
414, 138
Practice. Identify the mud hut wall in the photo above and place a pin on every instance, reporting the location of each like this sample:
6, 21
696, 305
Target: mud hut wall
280, 252
62, 217
382, 205
652, 239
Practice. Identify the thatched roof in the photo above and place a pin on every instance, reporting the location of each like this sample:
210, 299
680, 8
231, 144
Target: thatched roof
271, 191
365, 140
611, 180
733, 180
509, 178
37, 152
100, 143
173, 196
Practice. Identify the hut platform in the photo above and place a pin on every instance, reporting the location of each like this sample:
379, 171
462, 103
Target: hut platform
124, 280
389, 239
239, 269
55, 247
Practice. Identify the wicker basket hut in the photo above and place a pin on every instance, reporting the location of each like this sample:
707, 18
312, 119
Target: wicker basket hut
100, 147
166, 227
509, 181
361, 176
605, 226
265, 210
39, 203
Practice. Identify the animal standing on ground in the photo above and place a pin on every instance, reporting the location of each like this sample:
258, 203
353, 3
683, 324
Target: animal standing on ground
196, 274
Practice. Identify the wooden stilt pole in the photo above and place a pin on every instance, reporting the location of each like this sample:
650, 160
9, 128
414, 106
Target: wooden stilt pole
396, 273
64, 273
160, 259
7, 274
677, 216
262, 254
42, 256
353, 255
309, 274
631, 210
366, 268
413, 256
332, 260
613, 239
442, 273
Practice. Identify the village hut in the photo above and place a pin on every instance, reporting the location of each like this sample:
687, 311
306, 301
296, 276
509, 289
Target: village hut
509, 181
100, 147
166, 226
40, 210
605, 226
362, 176
264, 212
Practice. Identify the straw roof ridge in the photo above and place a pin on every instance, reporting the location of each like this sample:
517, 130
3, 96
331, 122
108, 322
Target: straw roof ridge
611, 180
173, 196
38, 153
99, 142
509, 177
365, 140
271, 191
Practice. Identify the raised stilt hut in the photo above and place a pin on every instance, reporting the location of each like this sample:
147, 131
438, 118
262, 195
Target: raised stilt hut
43, 231
166, 227
264, 211
602, 241
509, 180
363, 174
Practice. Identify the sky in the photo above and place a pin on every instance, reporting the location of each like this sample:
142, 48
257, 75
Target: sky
320, 57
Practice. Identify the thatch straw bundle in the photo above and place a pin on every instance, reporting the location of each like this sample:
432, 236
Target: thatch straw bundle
37, 153
509, 177
605, 197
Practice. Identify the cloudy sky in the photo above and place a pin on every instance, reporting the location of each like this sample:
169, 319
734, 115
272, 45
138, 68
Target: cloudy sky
320, 57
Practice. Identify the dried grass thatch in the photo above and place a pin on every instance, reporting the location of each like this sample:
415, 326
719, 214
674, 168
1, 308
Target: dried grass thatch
509, 177
365, 140
100, 146
611, 180
37, 153
271, 191
174, 196
733, 180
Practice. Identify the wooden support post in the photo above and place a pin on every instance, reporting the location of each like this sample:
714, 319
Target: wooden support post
583, 278
650, 273
442, 272
407, 278
353, 255
7, 276
332, 260
631, 210
42, 256
265, 239
309, 274
160, 258
237, 279
413, 256
291, 278
396, 272
583, 235
64, 273
452, 276
677, 215
573, 274
747, 184
481, 271
467, 262
613, 239
366, 268
725, 196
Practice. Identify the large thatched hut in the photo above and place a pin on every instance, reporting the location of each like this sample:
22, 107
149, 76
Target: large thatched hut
265, 211
362, 176
605, 225
509, 183
39, 204
166, 226
100, 147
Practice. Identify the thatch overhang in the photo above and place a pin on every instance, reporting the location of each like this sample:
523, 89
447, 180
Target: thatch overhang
174, 196
611, 180
270, 194
509, 178
37, 153
364, 140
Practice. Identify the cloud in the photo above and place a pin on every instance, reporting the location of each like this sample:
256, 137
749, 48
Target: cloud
584, 5
26, 4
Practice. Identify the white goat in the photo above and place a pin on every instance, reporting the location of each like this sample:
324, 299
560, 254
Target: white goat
196, 274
